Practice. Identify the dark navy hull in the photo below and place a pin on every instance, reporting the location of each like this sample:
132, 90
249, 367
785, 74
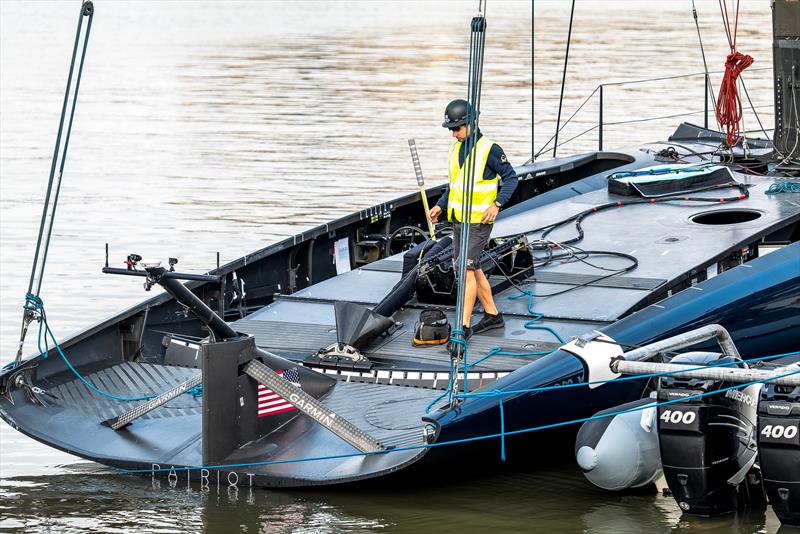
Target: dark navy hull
759, 305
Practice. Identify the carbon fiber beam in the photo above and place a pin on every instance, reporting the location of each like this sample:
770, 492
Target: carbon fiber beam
148, 406
312, 407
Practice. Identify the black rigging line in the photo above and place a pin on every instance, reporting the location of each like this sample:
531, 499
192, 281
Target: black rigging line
533, 80
50, 204
474, 83
705, 66
585, 101
564, 77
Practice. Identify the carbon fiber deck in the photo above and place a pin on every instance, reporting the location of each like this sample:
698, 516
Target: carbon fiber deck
390, 413
398, 347
291, 337
298, 337
386, 266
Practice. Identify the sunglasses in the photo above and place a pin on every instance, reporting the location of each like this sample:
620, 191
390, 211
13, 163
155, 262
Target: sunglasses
456, 128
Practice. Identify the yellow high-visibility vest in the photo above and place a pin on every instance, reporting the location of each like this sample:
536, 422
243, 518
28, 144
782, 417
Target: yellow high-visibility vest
484, 192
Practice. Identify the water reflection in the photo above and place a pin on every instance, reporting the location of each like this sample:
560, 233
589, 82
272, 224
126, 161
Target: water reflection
553, 499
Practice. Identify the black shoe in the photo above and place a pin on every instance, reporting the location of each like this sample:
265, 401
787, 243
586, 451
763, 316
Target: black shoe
489, 322
467, 331
467, 335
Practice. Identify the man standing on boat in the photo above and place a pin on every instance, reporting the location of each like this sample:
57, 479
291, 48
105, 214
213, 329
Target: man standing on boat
491, 170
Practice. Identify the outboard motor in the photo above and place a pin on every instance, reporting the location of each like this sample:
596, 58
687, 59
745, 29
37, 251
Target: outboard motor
779, 449
708, 444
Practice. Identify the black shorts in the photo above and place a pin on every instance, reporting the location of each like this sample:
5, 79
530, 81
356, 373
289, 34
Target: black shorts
478, 239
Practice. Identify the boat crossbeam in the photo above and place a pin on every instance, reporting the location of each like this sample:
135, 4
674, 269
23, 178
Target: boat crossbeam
149, 405
735, 375
312, 407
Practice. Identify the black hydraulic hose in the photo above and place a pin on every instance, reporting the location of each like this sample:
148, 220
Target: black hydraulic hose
564, 77
634, 263
219, 328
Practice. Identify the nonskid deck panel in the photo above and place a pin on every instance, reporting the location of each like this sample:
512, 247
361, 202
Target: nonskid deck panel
391, 414
286, 337
127, 379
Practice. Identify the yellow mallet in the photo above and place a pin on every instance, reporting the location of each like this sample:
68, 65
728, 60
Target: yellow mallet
412, 145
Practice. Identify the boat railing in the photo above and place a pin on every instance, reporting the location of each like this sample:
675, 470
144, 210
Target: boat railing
599, 92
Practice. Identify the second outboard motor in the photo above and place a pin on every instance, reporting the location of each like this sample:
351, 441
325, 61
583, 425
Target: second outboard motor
708, 444
779, 449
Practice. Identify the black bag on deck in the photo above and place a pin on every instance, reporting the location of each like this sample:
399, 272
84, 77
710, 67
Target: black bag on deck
667, 180
432, 328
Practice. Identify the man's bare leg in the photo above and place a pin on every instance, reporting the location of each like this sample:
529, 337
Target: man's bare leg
470, 293
485, 293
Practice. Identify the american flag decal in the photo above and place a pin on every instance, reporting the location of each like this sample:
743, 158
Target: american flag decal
269, 402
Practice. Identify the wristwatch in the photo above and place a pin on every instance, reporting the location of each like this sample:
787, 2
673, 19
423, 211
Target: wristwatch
496, 203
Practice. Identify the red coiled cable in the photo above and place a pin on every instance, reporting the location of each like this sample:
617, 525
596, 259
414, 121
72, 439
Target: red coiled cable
729, 105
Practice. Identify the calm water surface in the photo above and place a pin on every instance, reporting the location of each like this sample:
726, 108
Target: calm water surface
207, 127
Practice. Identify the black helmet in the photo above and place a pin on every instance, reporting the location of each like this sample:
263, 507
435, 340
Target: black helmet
455, 114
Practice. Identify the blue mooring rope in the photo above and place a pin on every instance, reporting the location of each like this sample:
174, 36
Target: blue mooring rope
783, 187
536, 316
497, 351
502, 432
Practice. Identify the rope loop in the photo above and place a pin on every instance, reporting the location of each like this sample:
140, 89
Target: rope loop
729, 104
783, 187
